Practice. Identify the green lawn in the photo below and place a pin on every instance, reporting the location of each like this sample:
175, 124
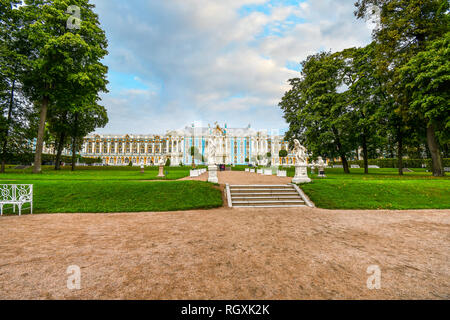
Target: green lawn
97, 173
120, 189
381, 189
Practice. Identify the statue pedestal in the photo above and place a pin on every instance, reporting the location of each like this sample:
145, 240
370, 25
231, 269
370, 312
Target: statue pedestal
301, 174
322, 172
212, 170
161, 172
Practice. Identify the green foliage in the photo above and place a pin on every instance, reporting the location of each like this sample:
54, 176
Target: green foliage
427, 78
385, 98
283, 153
62, 71
315, 109
406, 28
393, 163
168, 162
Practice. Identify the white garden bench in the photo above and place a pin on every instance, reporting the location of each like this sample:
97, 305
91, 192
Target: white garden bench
16, 195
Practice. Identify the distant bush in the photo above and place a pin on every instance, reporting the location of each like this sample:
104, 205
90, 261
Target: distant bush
283, 153
393, 163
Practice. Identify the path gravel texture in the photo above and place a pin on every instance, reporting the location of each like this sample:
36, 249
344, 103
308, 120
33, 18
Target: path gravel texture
227, 254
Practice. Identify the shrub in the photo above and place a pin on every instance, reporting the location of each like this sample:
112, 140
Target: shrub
283, 153
393, 163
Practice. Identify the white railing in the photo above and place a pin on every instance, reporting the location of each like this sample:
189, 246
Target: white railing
16, 195
197, 173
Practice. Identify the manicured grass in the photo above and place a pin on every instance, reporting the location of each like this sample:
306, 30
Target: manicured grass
122, 196
381, 189
114, 189
97, 173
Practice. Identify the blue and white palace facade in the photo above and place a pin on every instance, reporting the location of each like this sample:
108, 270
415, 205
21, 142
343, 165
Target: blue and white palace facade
237, 146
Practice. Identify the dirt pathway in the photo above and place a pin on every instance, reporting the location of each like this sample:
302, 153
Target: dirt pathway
227, 254
244, 178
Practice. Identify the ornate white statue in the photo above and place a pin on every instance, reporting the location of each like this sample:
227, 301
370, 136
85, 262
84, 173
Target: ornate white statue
300, 153
161, 162
320, 162
212, 150
301, 167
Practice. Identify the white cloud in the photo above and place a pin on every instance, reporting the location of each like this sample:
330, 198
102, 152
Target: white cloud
202, 60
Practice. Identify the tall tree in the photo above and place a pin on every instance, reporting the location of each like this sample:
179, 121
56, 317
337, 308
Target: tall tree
59, 126
83, 119
62, 61
363, 96
13, 108
321, 118
427, 78
405, 29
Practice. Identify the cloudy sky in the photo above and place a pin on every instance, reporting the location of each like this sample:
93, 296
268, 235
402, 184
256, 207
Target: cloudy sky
175, 62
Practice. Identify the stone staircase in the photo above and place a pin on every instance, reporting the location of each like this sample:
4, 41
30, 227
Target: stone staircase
266, 196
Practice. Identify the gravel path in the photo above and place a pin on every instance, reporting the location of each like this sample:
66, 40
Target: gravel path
244, 178
227, 254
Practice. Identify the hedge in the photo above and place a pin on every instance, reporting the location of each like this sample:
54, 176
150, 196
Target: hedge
393, 163
28, 158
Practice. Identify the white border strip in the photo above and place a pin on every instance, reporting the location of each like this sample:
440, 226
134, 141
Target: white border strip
230, 203
305, 198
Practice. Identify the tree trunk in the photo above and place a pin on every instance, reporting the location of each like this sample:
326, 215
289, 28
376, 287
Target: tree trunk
74, 152
345, 164
61, 142
400, 151
74, 141
8, 123
340, 151
40, 137
365, 154
438, 168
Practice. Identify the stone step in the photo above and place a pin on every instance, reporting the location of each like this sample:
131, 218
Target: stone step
268, 198
275, 193
261, 190
260, 186
265, 196
277, 206
268, 202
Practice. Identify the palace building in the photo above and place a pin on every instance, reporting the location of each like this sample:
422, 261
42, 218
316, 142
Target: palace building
237, 146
